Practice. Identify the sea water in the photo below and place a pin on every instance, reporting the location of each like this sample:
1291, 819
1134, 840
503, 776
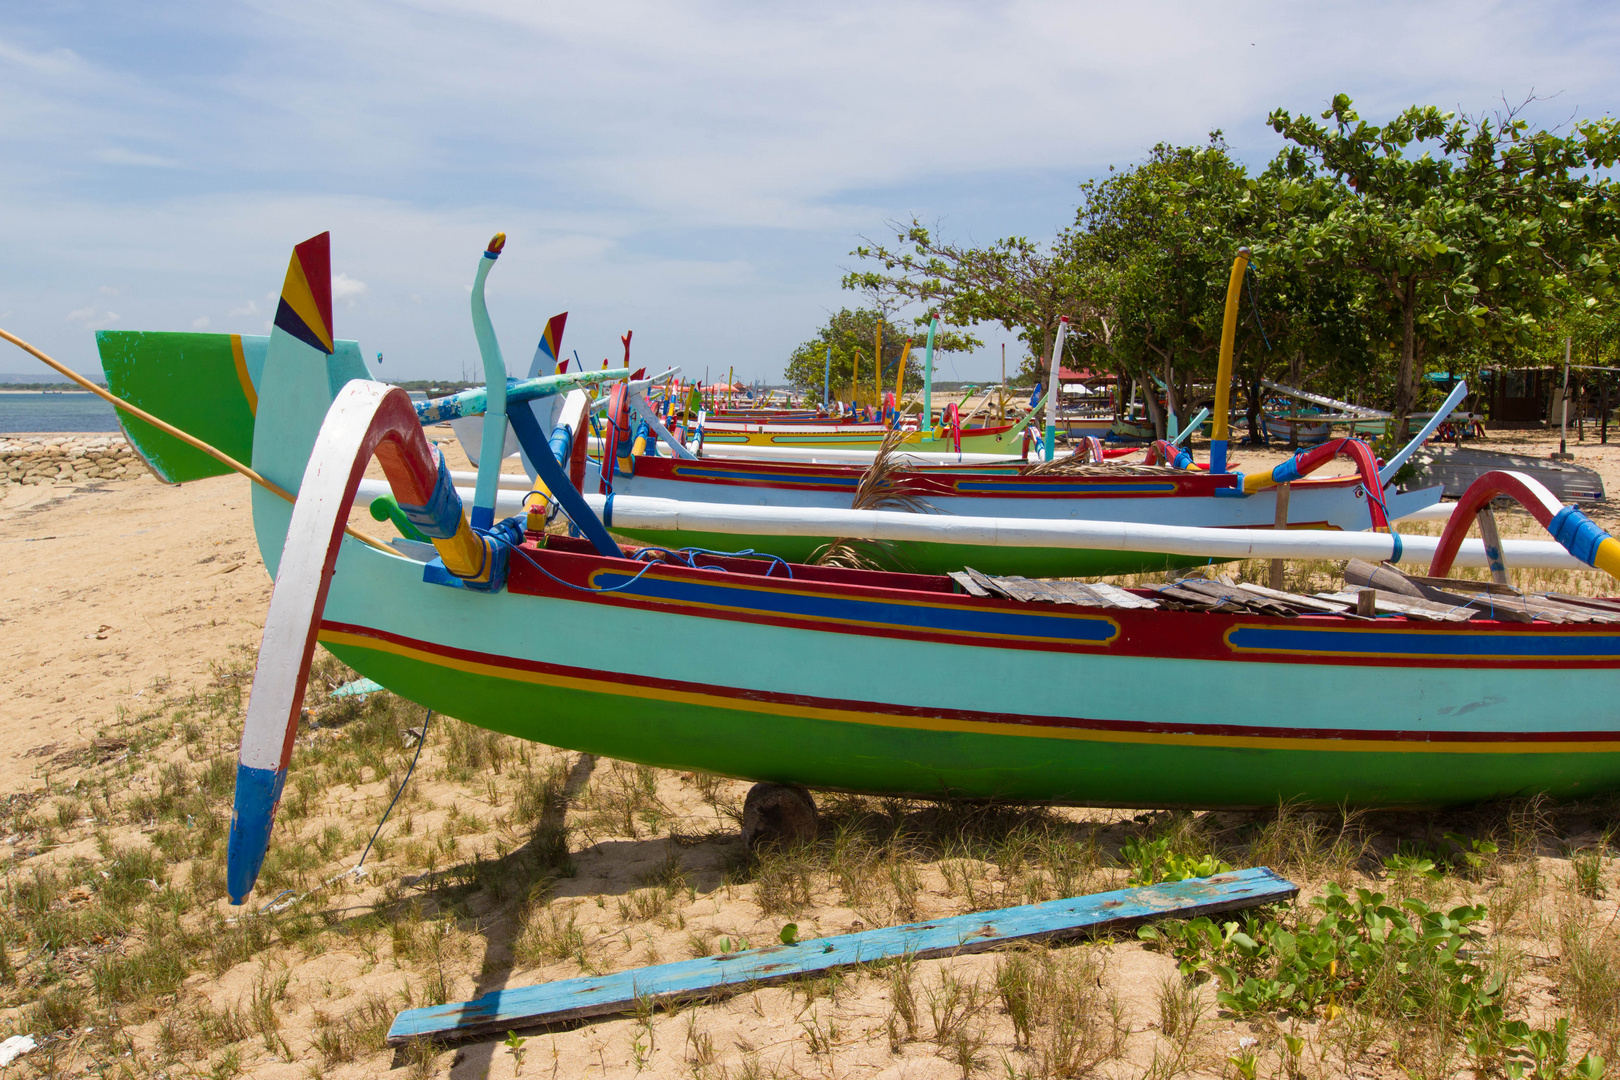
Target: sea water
54, 411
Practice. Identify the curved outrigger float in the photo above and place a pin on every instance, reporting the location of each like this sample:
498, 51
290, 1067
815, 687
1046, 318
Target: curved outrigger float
895, 684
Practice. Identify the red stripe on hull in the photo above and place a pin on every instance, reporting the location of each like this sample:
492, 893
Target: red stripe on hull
809, 703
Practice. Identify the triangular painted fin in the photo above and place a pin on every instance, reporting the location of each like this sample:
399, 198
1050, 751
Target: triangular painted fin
305, 310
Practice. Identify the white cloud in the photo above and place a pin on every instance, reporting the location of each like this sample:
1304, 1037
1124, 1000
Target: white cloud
346, 288
117, 155
696, 170
200, 323
93, 317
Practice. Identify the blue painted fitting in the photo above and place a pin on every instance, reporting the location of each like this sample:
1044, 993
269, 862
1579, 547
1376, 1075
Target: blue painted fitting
1394, 546
482, 517
562, 442
1287, 472
1577, 533
497, 560
441, 517
257, 793
434, 572
1184, 460
1235, 491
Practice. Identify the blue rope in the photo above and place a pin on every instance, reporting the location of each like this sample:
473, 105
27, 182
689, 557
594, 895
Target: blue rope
582, 588
688, 557
419, 744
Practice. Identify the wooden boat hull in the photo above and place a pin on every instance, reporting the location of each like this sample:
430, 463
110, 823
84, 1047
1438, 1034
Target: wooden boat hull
889, 693
1000, 440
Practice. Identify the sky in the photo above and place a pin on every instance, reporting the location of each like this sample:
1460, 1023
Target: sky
696, 172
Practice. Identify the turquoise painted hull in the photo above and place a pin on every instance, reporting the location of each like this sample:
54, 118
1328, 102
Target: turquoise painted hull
687, 692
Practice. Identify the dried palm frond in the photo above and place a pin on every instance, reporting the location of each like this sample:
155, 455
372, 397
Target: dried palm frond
855, 555
876, 491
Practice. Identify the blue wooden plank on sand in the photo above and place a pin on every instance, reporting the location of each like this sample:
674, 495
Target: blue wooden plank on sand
606, 995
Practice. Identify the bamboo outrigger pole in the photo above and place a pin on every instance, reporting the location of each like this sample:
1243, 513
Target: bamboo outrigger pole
169, 429
1223, 375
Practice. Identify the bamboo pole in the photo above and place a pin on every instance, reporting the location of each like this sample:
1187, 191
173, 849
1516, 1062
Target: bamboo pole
1280, 521
1223, 377
169, 429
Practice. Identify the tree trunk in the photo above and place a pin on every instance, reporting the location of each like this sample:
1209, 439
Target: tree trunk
1296, 366
1150, 399
1603, 407
1171, 397
1255, 438
1403, 378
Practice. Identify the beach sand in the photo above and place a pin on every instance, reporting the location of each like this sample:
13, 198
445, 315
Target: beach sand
124, 602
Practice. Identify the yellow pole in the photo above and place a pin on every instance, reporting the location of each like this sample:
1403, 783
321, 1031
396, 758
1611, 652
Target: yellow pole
189, 440
855, 379
900, 379
1223, 375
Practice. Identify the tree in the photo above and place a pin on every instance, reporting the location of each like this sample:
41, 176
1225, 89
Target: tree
1489, 229
851, 336
1020, 284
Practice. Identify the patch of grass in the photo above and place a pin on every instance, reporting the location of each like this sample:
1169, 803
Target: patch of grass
361, 1029
1589, 976
1061, 1018
623, 800
1586, 865
158, 968
550, 933
61, 1009
782, 880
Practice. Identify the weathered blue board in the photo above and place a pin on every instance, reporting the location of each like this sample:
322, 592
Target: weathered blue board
575, 999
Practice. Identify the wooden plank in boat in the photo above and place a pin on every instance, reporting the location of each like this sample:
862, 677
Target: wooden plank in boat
1180, 594
1115, 596
1595, 602
609, 995
1548, 604
1238, 594
969, 586
1394, 604
1304, 603
987, 583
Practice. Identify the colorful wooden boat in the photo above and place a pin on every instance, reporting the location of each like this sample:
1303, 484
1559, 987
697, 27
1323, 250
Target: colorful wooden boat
1147, 495
1000, 439
874, 682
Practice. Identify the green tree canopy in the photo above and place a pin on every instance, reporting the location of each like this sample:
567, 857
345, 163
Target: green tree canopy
1463, 232
851, 335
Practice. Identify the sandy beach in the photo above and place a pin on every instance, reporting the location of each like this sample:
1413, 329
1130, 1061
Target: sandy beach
129, 615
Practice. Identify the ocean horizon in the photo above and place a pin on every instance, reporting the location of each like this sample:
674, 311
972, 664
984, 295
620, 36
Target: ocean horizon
55, 412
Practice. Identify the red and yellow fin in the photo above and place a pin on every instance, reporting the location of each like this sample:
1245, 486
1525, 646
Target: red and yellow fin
305, 310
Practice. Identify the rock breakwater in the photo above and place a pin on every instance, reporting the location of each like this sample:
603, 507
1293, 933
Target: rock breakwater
66, 459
